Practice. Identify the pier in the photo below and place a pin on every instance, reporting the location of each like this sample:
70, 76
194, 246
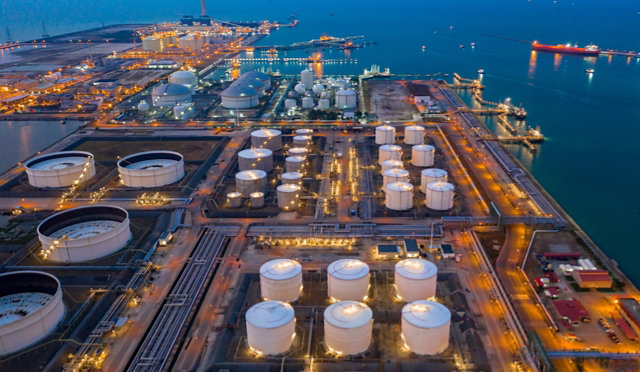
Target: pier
324, 42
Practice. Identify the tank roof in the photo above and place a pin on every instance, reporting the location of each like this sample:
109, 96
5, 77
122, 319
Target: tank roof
183, 74
239, 90
348, 314
416, 268
252, 174
80, 215
295, 159
256, 74
291, 175
289, 187
147, 159
253, 153
426, 314
267, 132
424, 148
434, 172
257, 194
396, 172
398, 186
50, 161
280, 269
385, 127
348, 269
270, 314
440, 186
170, 89
346, 92
390, 148
414, 127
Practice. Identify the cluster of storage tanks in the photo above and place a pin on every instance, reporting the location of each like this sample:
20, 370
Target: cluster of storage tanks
318, 94
398, 188
348, 321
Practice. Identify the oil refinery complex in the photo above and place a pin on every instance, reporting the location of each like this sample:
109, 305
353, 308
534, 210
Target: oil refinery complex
212, 215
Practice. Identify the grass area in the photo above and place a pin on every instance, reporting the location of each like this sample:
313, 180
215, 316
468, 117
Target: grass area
109, 150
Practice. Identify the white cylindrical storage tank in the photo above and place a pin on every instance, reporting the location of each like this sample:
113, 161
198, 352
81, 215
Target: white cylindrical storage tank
323, 104
184, 77
422, 155
306, 77
281, 280
431, 175
346, 99
170, 94
60, 169
318, 88
291, 177
415, 279
182, 111
425, 327
301, 141
267, 138
151, 168
299, 88
395, 175
385, 135
253, 158
348, 279
288, 196
348, 326
390, 164
307, 102
31, 308
398, 196
298, 151
439, 196
294, 164
341, 83
304, 132
251, 181
289, 103
234, 199
256, 199
239, 95
414, 135
386, 152
84, 233
271, 327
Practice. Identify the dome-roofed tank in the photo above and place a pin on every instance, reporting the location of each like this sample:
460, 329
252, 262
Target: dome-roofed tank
425, 327
288, 196
390, 164
399, 196
271, 327
170, 94
393, 152
385, 135
255, 158
439, 196
346, 99
415, 279
348, 279
281, 280
431, 175
250, 181
267, 138
422, 155
414, 135
348, 326
395, 175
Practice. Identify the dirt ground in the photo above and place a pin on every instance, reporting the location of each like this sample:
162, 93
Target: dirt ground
105, 151
389, 100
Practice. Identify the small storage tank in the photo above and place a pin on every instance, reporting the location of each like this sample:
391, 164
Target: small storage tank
390, 164
385, 135
425, 327
298, 151
291, 178
143, 107
182, 111
304, 132
386, 152
323, 104
398, 196
307, 102
318, 88
288, 196
234, 199
301, 141
267, 138
395, 175
281, 280
440, 196
414, 135
346, 99
294, 164
306, 77
299, 88
289, 103
415, 279
348, 279
422, 155
261, 159
348, 326
431, 175
256, 199
341, 83
271, 327
251, 181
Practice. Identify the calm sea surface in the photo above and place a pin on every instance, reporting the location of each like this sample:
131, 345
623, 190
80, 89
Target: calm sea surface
590, 161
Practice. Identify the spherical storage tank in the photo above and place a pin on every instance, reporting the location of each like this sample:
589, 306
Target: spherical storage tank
346, 99
170, 94
289, 103
323, 104
348, 326
267, 138
294, 163
31, 308
318, 88
291, 177
414, 135
395, 175
299, 88
184, 77
385, 135
307, 102
239, 96
256, 199
250, 181
390, 163
306, 77
234, 199
271, 327
431, 175
348, 279
288, 196
281, 280
422, 155
386, 152
415, 279
143, 106
425, 327
84, 233
254, 158
60, 169
301, 141
398, 196
439, 196
151, 168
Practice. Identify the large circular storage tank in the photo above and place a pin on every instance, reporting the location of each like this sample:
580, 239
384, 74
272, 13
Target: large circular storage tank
414, 135
31, 308
425, 327
251, 181
281, 280
170, 94
298, 151
422, 155
288, 196
264, 78
239, 96
348, 326
184, 77
346, 99
431, 175
386, 152
84, 233
348, 279
60, 169
234, 199
267, 138
301, 141
439, 196
294, 163
271, 327
385, 135
291, 177
304, 132
395, 175
307, 102
324, 104
289, 103
151, 168
415, 279
390, 164
256, 199
261, 159
398, 196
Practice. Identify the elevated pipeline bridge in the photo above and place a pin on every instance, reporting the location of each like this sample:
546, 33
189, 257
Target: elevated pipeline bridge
348, 42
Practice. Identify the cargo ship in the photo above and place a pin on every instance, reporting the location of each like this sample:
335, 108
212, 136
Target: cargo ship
589, 50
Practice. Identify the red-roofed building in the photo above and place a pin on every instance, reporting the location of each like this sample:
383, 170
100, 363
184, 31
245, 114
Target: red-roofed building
552, 292
626, 328
572, 310
592, 278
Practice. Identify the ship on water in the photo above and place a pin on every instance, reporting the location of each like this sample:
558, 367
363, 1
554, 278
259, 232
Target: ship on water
589, 50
